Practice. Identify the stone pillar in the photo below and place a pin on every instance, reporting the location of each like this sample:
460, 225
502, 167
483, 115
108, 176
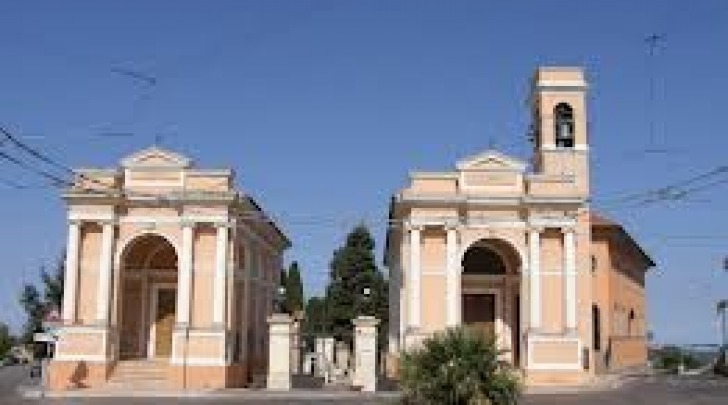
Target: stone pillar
279, 353
296, 346
365, 353
104, 287
319, 352
452, 286
328, 357
218, 294
414, 279
70, 285
534, 249
184, 281
570, 274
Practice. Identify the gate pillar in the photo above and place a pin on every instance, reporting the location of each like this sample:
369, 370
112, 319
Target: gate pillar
279, 352
365, 352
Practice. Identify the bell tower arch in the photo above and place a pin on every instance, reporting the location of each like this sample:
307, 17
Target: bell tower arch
559, 124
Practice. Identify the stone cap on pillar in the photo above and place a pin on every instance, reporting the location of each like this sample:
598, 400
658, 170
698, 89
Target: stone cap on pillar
365, 321
280, 319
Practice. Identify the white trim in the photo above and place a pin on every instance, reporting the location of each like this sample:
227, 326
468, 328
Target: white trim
415, 273
552, 222
534, 249
91, 216
184, 278
71, 277
152, 341
579, 147
489, 224
166, 220
103, 292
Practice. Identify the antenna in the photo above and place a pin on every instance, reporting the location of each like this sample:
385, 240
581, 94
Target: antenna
654, 42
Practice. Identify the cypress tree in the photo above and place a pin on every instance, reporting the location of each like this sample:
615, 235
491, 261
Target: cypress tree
294, 289
352, 270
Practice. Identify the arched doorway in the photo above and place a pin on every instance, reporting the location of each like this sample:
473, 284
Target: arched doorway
148, 297
491, 287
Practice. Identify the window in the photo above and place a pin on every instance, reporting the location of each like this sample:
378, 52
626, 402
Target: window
564, 125
594, 264
630, 323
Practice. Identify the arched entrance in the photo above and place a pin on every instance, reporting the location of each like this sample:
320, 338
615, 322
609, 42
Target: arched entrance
491, 288
148, 297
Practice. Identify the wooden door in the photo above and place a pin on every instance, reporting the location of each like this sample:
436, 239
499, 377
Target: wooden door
164, 322
479, 313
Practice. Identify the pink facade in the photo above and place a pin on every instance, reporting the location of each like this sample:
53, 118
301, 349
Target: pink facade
508, 247
170, 271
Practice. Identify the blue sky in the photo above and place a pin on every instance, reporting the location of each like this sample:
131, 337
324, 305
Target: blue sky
322, 108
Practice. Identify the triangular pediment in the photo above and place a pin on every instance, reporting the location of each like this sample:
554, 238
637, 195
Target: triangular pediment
491, 160
155, 157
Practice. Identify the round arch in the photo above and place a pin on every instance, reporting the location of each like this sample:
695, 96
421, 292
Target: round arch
494, 248
129, 242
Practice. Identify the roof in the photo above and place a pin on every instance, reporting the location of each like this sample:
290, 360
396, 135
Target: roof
599, 221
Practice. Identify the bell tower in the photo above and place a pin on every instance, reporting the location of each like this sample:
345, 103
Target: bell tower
559, 125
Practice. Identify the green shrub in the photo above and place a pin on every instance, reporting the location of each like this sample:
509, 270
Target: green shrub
458, 366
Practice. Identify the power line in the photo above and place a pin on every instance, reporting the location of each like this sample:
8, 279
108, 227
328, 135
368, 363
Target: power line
58, 181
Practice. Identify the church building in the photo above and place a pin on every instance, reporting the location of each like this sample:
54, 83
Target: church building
170, 275
514, 251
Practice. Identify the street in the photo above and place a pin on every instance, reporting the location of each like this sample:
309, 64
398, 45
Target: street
659, 390
11, 377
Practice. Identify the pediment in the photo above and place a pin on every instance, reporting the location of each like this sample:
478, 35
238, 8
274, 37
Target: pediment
491, 161
155, 157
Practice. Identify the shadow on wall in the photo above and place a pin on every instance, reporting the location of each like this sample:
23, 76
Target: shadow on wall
79, 376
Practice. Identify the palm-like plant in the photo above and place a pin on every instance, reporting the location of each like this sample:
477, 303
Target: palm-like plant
458, 366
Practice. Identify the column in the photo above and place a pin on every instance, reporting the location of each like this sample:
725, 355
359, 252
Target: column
570, 274
246, 297
452, 281
104, 287
218, 307
414, 272
534, 255
70, 285
184, 282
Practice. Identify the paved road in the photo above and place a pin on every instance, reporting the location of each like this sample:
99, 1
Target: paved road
649, 391
10, 378
662, 390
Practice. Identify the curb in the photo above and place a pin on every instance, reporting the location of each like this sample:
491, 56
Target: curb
242, 394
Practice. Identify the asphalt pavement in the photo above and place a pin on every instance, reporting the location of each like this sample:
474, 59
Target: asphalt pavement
649, 390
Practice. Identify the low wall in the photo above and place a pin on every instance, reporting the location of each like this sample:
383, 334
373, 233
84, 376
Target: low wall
626, 351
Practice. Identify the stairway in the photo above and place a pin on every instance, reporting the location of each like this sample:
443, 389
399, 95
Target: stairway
139, 375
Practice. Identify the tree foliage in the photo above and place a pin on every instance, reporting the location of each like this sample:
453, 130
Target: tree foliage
6, 339
36, 304
352, 270
294, 289
458, 366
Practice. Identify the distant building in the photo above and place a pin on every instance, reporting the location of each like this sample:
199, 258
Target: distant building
170, 271
514, 251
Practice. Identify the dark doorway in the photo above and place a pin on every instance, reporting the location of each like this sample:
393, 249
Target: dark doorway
479, 313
